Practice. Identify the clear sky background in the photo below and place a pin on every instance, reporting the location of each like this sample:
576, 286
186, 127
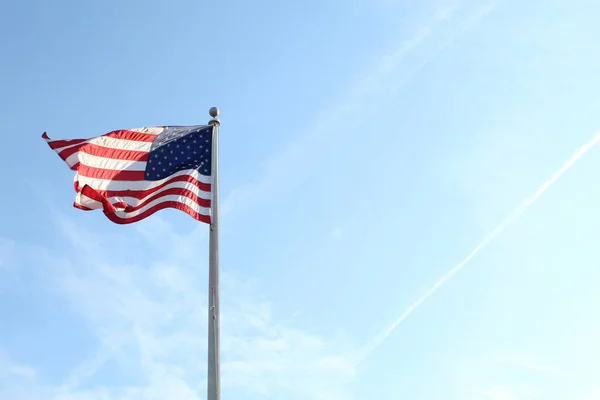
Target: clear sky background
366, 148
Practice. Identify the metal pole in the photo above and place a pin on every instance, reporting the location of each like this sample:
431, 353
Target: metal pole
214, 375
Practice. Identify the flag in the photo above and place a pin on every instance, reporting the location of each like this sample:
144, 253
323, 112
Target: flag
131, 174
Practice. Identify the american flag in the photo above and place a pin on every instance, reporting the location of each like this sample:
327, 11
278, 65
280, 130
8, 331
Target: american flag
133, 173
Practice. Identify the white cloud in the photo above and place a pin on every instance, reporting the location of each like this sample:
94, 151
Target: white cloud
510, 374
372, 90
511, 392
7, 253
500, 392
593, 394
9, 369
530, 363
150, 321
337, 233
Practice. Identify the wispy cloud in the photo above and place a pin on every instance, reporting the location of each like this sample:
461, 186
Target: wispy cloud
549, 369
149, 319
7, 252
593, 394
337, 233
10, 369
528, 362
500, 392
380, 338
373, 89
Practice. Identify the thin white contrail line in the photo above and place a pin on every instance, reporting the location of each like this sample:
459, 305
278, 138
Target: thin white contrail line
377, 340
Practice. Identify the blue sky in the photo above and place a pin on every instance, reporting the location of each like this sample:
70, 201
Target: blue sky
367, 147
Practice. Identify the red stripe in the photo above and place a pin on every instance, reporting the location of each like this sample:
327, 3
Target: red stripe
173, 191
95, 195
105, 152
140, 194
119, 134
57, 144
167, 204
109, 174
131, 135
84, 208
71, 150
109, 209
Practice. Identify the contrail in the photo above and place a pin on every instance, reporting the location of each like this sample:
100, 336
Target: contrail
377, 340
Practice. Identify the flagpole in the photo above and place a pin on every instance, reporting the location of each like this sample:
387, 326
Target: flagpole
214, 334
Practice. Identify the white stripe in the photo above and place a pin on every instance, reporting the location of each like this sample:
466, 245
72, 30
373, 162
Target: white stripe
121, 144
150, 130
89, 203
107, 184
113, 143
58, 150
133, 202
109, 141
105, 163
72, 159
85, 201
180, 199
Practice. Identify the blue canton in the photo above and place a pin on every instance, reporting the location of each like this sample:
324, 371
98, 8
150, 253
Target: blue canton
178, 148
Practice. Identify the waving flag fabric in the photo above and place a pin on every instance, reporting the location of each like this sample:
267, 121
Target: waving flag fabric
131, 174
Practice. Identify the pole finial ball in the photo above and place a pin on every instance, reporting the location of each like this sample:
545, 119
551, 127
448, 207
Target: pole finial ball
214, 112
